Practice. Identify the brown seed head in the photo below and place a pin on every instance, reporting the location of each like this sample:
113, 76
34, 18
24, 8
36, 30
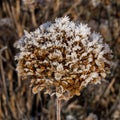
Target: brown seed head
63, 57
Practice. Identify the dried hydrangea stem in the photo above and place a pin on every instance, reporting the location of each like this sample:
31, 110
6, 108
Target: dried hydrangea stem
58, 101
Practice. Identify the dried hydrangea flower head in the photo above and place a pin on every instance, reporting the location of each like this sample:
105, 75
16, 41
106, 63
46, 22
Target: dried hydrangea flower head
62, 57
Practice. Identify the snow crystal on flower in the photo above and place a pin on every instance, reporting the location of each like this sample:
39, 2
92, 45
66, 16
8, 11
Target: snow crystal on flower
58, 76
60, 67
94, 74
62, 20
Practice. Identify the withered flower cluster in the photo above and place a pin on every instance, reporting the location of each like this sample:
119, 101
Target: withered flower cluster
62, 57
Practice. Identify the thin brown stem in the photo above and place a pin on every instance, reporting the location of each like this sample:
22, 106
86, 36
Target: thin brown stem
58, 109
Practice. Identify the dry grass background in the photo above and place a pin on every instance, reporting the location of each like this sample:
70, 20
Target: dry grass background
101, 102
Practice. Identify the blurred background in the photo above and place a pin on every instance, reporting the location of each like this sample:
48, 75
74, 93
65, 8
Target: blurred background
96, 102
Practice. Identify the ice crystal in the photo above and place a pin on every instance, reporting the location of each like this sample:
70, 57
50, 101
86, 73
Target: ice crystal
62, 57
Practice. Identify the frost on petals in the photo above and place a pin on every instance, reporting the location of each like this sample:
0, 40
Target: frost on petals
58, 56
